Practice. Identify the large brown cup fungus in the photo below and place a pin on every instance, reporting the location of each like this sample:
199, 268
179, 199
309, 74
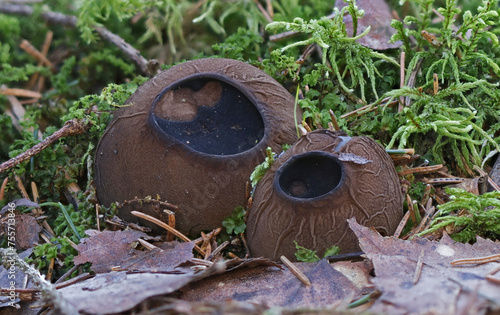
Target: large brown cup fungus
192, 135
310, 191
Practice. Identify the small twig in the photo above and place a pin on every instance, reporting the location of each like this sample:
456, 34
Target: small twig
207, 245
74, 280
50, 269
402, 224
444, 180
263, 11
482, 173
334, 120
370, 107
20, 92
21, 187
426, 198
412, 79
215, 232
202, 262
97, 208
418, 269
306, 126
270, 10
296, 271
282, 36
401, 80
45, 50
146, 244
476, 260
307, 52
400, 151
171, 223
66, 274
424, 222
435, 83
217, 250
490, 277
26, 46
71, 127
2, 189
414, 215
420, 170
168, 228
71, 20
245, 244
34, 191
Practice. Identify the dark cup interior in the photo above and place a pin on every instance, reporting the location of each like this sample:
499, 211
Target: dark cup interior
231, 125
309, 175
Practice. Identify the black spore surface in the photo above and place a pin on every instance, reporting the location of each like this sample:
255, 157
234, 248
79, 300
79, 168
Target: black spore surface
233, 125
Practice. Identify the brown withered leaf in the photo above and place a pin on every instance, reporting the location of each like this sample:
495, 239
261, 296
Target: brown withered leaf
272, 286
378, 17
116, 292
164, 260
27, 229
441, 287
110, 249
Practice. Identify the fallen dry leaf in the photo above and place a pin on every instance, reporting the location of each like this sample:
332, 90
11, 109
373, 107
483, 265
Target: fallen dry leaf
117, 292
27, 229
378, 17
110, 249
441, 287
163, 260
271, 286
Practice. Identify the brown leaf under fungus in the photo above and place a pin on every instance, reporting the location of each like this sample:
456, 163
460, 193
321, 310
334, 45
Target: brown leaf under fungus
310, 191
192, 135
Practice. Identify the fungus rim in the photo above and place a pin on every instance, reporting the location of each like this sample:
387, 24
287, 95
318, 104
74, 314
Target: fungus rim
152, 119
295, 158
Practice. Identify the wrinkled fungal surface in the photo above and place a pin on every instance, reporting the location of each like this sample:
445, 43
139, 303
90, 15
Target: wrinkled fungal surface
314, 187
192, 135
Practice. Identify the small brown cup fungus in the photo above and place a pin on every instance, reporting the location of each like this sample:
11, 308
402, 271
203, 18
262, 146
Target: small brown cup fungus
310, 191
192, 135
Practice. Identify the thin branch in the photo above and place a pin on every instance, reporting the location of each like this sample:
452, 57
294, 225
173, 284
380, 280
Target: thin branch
71, 20
168, 228
71, 127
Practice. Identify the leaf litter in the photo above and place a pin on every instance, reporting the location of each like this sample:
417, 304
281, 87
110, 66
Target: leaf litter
441, 287
437, 287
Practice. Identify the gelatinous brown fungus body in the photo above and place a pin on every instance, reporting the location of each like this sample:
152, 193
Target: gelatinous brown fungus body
192, 135
315, 186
